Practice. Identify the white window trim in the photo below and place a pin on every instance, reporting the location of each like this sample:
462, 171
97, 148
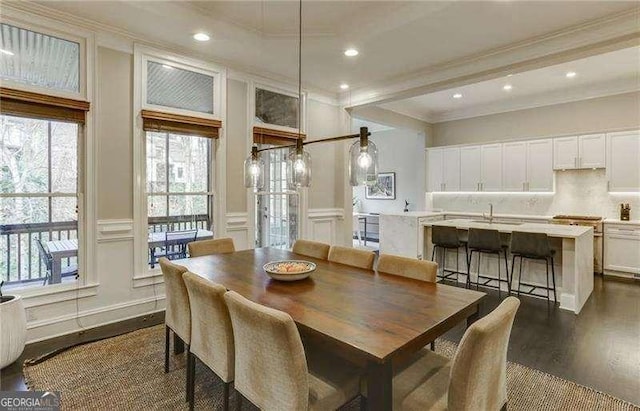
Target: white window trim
142, 272
87, 204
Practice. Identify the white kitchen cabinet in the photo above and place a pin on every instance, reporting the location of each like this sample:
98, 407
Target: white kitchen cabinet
491, 167
565, 153
451, 169
434, 169
540, 165
470, 168
588, 151
514, 166
622, 248
591, 151
623, 162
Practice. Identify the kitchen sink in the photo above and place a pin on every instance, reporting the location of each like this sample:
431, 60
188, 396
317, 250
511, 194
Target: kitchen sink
497, 222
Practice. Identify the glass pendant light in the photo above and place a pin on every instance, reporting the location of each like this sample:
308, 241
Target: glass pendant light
298, 167
254, 170
363, 161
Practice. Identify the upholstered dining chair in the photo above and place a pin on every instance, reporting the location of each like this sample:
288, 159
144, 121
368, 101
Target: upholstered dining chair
312, 249
177, 314
271, 368
476, 377
352, 256
408, 267
211, 332
208, 247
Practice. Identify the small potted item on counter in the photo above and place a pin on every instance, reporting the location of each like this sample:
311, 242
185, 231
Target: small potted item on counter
625, 212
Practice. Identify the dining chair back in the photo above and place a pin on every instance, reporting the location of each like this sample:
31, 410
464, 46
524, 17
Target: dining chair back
270, 364
408, 267
211, 332
208, 247
351, 256
312, 249
479, 368
178, 314
443, 236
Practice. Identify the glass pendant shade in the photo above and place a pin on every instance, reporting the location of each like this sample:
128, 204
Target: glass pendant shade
363, 162
298, 168
254, 171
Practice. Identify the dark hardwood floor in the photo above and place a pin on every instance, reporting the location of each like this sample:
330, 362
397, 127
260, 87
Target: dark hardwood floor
599, 348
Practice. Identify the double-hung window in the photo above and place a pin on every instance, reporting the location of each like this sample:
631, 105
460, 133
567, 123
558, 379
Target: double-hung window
41, 140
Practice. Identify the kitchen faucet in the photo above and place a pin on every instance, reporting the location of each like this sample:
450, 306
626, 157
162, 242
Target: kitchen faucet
490, 217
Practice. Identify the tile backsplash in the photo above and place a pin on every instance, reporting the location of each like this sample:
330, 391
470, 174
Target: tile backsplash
582, 192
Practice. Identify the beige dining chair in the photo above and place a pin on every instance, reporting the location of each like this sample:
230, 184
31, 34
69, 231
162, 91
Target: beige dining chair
476, 377
312, 249
352, 256
211, 332
272, 370
177, 314
208, 247
408, 267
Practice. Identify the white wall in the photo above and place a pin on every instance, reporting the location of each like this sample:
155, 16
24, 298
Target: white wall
400, 151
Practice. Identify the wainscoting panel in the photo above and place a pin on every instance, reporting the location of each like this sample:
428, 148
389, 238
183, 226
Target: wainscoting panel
239, 229
115, 230
324, 224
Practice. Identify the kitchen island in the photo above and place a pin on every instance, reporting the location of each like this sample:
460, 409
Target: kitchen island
573, 245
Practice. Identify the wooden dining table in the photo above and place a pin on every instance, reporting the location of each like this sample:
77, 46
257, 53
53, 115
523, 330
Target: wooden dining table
368, 318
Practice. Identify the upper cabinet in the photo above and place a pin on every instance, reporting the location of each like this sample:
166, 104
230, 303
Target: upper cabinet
470, 168
514, 166
623, 162
443, 169
527, 166
491, 167
434, 169
577, 152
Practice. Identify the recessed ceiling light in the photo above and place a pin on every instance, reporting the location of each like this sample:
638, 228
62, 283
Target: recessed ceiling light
344, 86
571, 74
507, 87
168, 67
351, 52
457, 95
7, 52
201, 37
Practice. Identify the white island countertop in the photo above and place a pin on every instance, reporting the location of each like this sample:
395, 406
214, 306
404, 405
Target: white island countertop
552, 230
420, 214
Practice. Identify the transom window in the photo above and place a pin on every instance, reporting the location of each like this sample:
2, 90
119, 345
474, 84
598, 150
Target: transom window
174, 87
276, 108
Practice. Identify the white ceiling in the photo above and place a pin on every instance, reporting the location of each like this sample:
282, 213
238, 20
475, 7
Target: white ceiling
605, 74
395, 38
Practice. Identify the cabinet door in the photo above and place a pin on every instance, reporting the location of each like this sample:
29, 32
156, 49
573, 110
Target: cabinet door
565, 153
591, 149
621, 247
623, 165
491, 167
540, 165
470, 168
434, 169
451, 169
514, 166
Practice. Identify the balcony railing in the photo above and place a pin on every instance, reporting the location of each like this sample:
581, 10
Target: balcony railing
20, 261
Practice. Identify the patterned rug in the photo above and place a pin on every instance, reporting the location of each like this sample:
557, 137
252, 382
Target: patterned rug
127, 373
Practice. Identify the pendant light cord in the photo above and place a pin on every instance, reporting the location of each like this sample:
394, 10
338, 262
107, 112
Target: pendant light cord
300, 71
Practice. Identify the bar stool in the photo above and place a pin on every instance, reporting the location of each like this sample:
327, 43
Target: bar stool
533, 246
446, 238
484, 241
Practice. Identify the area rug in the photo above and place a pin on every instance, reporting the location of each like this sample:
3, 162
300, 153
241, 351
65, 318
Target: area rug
127, 373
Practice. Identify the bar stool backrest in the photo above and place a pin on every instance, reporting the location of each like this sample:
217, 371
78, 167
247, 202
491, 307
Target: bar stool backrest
445, 236
482, 239
530, 244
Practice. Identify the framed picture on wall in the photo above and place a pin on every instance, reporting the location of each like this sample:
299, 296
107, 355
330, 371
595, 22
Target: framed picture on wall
384, 189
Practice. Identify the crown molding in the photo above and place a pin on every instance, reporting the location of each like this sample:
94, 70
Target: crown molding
598, 36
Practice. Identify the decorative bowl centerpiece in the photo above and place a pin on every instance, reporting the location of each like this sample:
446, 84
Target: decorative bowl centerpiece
289, 270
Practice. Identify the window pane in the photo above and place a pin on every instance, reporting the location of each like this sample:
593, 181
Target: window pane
187, 205
64, 157
39, 60
156, 162
23, 210
276, 108
157, 206
64, 209
188, 163
23, 155
178, 88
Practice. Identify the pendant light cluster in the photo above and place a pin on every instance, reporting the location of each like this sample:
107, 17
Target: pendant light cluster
363, 154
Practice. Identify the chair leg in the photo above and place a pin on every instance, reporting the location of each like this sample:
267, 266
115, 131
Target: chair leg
546, 266
363, 403
188, 377
192, 380
553, 277
466, 259
167, 339
444, 262
178, 344
478, 276
506, 267
433, 345
499, 278
457, 264
520, 276
469, 259
238, 401
225, 400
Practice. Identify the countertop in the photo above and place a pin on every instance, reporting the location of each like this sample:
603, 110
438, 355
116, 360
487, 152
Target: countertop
419, 214
552, 230
618, 221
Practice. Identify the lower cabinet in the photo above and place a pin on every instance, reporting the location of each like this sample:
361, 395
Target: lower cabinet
622, 248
